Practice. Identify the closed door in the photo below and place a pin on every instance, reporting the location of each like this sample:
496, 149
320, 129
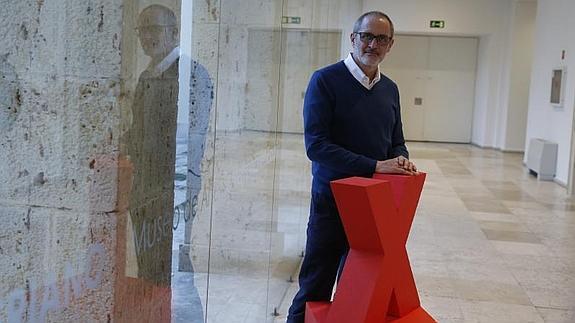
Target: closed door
436, 80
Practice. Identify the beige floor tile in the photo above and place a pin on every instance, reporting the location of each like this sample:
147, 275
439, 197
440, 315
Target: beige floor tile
551, 315
491, 271
520, 248
491, 312
514, 236
475, 290
503, 226
532, 205
554, 289
485, 205
501, 185
443, 309
511, 195
444, 205
490, 216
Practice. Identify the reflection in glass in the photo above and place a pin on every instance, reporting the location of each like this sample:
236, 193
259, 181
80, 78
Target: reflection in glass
191, 143
148, 148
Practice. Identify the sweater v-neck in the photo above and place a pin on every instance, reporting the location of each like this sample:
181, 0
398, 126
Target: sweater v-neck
358, 84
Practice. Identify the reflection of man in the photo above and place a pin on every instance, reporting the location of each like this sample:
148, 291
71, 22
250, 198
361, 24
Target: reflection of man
201, 97
150, 145
352, 127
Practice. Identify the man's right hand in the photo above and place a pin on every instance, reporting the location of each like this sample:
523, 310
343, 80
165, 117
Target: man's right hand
398, 165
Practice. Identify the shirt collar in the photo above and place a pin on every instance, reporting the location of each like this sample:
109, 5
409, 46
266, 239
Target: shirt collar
167, 61
359, 75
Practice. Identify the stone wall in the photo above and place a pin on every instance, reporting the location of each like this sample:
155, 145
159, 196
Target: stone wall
68, 81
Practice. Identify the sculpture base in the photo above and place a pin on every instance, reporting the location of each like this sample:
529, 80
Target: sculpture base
419, 315
316, 312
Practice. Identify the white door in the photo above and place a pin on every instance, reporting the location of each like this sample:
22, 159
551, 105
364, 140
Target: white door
409, 72
436, 80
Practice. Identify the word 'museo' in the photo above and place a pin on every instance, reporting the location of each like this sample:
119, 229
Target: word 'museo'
150, 232
37, 299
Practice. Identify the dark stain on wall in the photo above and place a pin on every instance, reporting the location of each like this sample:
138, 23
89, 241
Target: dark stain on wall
10, 94
18, 97
101, 23
27, 219
40, 4
24, 31
39, 179
23, 173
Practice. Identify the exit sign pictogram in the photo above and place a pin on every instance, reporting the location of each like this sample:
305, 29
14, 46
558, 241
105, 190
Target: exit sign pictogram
437, 24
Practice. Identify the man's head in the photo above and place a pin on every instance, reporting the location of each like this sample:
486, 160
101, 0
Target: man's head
371, 39
158, 30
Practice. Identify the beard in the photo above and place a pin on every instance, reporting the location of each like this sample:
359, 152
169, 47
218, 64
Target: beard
370, 58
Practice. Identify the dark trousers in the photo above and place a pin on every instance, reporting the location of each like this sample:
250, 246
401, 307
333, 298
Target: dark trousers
325, 253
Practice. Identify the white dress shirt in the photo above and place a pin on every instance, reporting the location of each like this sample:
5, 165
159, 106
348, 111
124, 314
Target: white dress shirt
359, 75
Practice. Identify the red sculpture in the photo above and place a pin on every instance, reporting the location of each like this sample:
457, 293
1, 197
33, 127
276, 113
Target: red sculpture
377, 284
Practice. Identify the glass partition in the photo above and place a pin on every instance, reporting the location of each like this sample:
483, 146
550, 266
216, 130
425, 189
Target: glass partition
152, 158
246, 232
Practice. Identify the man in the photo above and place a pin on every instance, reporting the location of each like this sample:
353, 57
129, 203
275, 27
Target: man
352, 127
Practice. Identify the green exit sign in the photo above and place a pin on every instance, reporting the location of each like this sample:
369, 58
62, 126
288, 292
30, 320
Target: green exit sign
437, 24
291, 20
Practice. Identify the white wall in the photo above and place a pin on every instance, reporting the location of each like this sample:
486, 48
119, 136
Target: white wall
490, 21
554, 33
521, 59
350, 11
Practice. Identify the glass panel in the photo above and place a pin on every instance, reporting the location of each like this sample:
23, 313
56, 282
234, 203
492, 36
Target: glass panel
244, 162
229, 239
147, 156
193, 173
314, 43
303, 51
154, 157
248, 234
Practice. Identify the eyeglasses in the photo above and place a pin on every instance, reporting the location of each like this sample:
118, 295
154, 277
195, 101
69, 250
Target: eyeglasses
368, 37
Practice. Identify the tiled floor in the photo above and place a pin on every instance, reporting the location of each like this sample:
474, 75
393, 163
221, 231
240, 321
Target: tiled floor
489, 242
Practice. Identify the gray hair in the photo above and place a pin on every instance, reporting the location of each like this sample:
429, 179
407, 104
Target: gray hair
359, 21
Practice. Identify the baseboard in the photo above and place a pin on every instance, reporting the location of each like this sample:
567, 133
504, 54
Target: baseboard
560, 182
505, 150
513, 150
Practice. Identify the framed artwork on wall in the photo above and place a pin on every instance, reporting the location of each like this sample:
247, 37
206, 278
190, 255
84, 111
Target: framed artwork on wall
558, 80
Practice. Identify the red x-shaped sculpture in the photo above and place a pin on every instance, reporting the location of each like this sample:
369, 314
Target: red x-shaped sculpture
377, 284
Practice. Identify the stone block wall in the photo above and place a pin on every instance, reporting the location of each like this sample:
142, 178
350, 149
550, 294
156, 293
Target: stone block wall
69, 71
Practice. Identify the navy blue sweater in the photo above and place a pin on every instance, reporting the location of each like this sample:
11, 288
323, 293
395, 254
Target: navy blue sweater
348, 128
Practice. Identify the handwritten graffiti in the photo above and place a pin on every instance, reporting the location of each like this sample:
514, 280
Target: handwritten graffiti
37, 299
185, 210
150, 232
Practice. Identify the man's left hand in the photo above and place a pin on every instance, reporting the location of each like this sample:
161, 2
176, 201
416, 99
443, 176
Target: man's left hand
406, 164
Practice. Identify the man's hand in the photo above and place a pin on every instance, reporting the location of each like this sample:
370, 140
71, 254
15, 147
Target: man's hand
397, 165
